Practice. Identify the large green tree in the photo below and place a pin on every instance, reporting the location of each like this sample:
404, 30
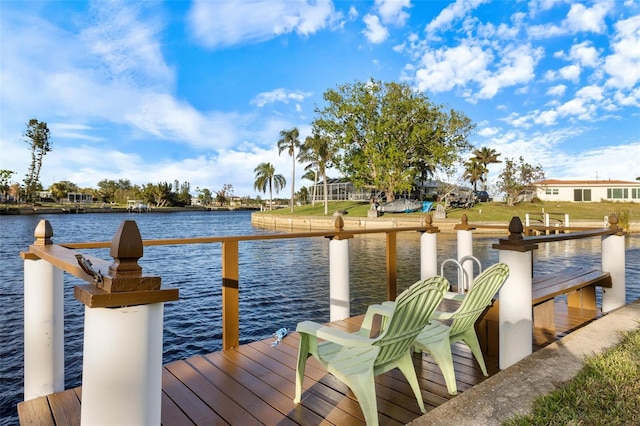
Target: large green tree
389, 136
266, 178
59, 190
38, 137
289, 141
516, 178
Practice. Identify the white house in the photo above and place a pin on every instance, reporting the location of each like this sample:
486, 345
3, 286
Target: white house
588, 190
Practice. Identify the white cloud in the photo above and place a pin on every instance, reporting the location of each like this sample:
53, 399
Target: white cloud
557, 90
392, 11
375, 32
570, 72
516, 67
127, 46
451, 14
443, 69
217, 23
583, 19
279, 95
624, 64
585, 54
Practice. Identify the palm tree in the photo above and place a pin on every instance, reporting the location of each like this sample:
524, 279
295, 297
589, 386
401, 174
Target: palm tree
486, 156
289, 141
319, 151
474, 171
311, 174
266, 177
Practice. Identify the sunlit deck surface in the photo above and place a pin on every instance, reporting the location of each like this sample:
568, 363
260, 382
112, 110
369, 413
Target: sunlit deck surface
254, 384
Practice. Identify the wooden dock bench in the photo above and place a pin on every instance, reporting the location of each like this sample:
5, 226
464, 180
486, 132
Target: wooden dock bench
577, 283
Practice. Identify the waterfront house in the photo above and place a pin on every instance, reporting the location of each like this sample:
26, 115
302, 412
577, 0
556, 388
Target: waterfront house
588, 190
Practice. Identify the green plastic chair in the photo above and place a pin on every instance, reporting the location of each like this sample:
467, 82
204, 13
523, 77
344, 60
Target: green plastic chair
355, 358
437, 337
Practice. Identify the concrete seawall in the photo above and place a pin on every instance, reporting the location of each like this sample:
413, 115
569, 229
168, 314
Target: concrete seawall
300, 223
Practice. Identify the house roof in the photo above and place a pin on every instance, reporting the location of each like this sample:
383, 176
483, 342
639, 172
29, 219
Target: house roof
593, 182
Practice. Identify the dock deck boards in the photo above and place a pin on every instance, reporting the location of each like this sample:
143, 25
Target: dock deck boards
253, 384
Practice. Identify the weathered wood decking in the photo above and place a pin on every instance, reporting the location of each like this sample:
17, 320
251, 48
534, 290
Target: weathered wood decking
254, 384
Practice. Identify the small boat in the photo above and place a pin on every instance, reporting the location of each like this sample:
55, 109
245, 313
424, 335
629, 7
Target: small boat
401, 206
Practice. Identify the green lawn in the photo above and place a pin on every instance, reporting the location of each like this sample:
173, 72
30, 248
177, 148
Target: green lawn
492, 211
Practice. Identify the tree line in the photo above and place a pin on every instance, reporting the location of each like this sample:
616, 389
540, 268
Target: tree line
380, 135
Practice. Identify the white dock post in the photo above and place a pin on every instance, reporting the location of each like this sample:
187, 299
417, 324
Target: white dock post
122, 359
614, 262
43, 321
464, 234
566, 220
339, 292
429, 250
515, 315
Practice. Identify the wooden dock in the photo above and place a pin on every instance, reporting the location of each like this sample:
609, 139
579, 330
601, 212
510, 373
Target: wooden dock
254, 384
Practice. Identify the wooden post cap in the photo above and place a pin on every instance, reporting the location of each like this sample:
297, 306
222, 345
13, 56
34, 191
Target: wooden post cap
126, 249
43, 233
515, 241
464, 224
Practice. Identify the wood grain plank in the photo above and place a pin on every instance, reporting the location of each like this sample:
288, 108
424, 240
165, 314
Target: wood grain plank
65, 407
35, 412
190, 403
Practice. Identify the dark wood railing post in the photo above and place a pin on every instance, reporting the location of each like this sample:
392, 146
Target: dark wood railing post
230, 297
392, 265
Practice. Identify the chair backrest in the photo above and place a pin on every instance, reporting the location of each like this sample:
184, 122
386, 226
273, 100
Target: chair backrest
484, 288
413, 308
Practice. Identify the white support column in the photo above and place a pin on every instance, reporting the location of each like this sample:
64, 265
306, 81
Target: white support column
122, 365
43, 329
464, 234
566, 220
614, 262
515, 308
339, 279
428, 255
122, 358
515, 312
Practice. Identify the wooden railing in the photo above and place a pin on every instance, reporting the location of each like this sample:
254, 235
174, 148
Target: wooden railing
122, 287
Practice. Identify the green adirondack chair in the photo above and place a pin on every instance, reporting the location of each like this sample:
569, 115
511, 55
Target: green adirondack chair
356, 358
437, 337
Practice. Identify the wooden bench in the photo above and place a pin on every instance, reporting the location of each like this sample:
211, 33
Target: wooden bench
577, 283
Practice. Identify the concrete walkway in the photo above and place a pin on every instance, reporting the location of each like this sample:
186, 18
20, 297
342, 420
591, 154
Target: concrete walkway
512, 390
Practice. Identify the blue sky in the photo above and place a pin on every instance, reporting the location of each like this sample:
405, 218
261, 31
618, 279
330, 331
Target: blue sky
198, 91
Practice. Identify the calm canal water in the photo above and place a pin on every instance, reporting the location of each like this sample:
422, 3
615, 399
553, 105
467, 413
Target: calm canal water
281, 282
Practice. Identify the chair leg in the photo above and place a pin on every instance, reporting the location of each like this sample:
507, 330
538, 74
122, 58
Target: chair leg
441, 353
303, 355
405, 365
364, 388
471, 339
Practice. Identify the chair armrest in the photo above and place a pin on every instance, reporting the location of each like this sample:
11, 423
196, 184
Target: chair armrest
343, 338
332, 334
383, 309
